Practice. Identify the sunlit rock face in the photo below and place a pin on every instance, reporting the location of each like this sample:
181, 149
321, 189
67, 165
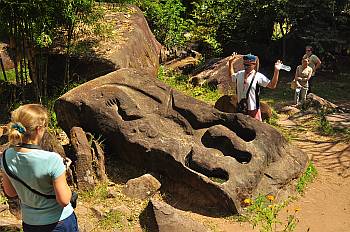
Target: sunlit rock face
222, 158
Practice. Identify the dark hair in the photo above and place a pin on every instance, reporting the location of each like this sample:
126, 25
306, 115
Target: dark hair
309, 47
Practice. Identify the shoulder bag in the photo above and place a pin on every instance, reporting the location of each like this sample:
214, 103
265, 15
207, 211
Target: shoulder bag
74, 197
242, 106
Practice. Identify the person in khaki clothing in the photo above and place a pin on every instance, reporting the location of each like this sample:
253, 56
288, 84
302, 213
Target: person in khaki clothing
314, 63
303, 74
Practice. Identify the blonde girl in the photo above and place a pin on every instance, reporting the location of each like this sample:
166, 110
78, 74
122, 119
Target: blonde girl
41, 170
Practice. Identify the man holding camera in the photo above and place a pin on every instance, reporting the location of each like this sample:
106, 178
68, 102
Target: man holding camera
248, 83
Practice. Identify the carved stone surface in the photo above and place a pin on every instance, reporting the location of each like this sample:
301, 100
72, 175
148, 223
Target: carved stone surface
139, 48
223, 157
85, 174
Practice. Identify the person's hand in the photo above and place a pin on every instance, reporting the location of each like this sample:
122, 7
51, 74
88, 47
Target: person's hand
278, 65
233, 58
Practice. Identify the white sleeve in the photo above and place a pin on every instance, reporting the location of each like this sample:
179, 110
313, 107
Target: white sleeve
262, 79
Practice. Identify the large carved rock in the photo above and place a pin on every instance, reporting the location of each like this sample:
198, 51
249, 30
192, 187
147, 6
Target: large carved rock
138, 49
223, 158
131, 45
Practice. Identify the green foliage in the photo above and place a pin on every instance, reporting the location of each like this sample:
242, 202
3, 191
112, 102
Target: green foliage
306, 178
3, 199
208, 15
113, 219
165, 18
10, 75
262, 212
43, 40
324, 127
100, 192
274, 118
180, 82
33, 27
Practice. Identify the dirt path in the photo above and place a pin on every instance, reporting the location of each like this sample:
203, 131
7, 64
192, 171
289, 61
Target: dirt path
325, 205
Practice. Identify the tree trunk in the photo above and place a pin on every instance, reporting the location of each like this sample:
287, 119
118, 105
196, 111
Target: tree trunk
3, 69
283, 41
67, 65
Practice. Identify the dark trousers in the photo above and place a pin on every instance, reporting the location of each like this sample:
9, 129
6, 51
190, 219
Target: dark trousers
311, 81
70, 224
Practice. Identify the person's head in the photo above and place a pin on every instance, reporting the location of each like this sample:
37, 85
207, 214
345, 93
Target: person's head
305, 62
28, 124
250, 62
308, 49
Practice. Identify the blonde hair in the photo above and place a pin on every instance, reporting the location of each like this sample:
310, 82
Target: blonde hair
24, 122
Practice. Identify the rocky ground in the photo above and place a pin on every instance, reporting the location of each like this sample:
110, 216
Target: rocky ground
324, 207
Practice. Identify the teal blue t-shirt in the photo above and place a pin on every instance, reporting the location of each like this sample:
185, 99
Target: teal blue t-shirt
37, 169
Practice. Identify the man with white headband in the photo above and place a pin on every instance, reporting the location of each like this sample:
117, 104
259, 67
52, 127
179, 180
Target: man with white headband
248, 83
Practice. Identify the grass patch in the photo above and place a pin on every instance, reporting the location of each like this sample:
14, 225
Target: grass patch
100, 192
10, 75
262, 212
274, 118
180, 82
112, 220
306, 178
323, 126
3, 199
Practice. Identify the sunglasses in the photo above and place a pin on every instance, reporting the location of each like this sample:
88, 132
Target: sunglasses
308, 50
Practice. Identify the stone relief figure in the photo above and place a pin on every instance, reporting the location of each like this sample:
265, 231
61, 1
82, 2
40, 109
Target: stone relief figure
219, 158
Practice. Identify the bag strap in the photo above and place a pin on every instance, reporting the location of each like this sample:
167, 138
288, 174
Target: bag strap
250, 86
9, 173
29, 146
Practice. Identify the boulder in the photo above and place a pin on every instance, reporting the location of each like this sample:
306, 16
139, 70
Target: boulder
142, 187
50, 142
228, 104
215, 74
185, 63
139, 48
131, 45
161, 217
89, 164
314, 102
222, 157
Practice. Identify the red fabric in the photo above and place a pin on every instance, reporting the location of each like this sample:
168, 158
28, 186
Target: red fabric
255, 114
